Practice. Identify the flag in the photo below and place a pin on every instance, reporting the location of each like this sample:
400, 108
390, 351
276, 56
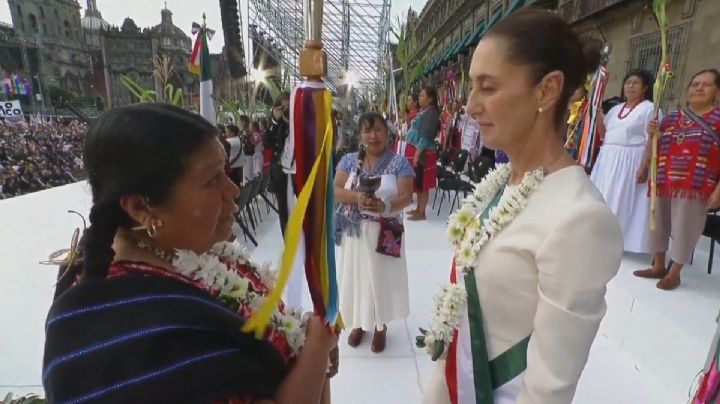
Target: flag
200, 65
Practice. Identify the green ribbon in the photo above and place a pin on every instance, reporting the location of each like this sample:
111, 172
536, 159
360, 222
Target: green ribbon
489, 375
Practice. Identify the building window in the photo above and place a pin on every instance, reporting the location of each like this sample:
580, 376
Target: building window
44, 29
42, 12
33, 22
57, 15
644, 52
67, 29
19, 12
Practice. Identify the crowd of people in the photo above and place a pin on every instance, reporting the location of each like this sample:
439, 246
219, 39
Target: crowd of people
534, 245
40, 155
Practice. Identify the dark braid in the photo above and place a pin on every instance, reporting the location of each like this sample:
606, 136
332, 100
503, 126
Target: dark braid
105, 218
135, 150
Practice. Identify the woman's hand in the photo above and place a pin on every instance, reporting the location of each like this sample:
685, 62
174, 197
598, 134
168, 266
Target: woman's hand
416, 158
334, 363
714, 200
318, 336
652, 126
371, 204
642, 173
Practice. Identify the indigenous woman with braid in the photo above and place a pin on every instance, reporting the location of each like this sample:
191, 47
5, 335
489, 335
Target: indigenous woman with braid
688, 170
157, 311
374, 280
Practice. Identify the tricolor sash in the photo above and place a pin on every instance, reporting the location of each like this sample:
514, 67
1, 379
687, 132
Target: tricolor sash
470, 374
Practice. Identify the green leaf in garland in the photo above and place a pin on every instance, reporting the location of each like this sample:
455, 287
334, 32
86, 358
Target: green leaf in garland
438, 351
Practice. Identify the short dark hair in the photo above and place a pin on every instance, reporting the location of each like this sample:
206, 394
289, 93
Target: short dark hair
647, 79
714, 72
368, 119
543, 41
431, 92
135, 150
232, 128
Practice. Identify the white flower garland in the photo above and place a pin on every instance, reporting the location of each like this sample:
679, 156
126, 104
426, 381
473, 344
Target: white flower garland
212, 270
449, 307
469, 235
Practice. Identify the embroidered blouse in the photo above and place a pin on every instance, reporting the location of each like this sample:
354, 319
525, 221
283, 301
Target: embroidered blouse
348, 217
425, 129
688, 156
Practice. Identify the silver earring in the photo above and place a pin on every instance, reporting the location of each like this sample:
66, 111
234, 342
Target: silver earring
152, 231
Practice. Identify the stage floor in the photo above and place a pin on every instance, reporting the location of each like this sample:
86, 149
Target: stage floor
650, 346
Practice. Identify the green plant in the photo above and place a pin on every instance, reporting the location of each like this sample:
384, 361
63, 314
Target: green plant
57, 93
412, 69
163, 70
142, 94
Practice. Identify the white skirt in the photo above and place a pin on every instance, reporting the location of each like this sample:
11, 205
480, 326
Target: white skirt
373, 287
614, 175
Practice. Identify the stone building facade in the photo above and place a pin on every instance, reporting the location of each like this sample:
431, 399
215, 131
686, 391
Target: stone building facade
630, 26
455, 27
56, 29
87, 56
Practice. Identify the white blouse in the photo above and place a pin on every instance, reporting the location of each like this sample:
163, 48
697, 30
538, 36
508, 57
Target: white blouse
630, 130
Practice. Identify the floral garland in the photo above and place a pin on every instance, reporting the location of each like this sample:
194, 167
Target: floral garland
469, 234
243, 286
449, 308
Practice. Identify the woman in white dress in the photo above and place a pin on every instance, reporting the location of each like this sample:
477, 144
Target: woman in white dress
373, 285
535, 243
621, 156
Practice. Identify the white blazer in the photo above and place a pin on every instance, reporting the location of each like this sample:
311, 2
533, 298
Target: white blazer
545, 275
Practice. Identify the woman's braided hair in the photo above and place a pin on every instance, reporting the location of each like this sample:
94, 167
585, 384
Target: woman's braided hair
135, 150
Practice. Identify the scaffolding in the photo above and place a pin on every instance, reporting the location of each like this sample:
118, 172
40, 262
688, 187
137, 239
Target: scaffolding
354, 37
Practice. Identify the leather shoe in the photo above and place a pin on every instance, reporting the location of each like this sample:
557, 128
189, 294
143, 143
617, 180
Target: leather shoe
378, 342
355, 337
669, 283
651, 273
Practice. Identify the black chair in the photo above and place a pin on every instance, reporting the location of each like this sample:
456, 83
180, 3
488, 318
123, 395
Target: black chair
254, 185
480, 168
456, 183
712, 231
243, 201
444, 161
263, 193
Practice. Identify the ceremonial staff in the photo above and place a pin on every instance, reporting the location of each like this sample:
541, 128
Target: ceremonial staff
661, 81
312, 219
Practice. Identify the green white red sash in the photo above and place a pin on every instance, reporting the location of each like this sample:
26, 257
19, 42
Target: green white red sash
470, 374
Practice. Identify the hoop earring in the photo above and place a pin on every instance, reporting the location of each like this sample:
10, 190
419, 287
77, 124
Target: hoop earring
152, 231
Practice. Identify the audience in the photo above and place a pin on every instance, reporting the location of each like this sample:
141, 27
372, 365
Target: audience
39, 156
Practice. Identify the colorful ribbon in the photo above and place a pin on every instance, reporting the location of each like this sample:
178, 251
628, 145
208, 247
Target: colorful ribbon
313, 216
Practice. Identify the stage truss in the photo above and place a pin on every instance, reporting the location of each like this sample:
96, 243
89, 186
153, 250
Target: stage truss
354, 37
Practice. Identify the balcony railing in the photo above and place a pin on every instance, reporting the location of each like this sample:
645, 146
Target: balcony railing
575, 10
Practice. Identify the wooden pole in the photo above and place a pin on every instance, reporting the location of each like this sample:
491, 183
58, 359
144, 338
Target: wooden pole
313, 65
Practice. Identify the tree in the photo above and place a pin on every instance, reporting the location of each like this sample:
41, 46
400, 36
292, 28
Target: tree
412, 69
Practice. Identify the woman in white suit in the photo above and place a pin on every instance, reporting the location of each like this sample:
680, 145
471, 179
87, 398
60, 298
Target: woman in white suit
535, 244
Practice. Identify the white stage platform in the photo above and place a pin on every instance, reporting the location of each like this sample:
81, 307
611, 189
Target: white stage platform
650, 346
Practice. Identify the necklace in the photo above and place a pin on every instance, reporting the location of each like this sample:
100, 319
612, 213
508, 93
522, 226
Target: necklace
620, 113
227, 272
157, 252
465, 228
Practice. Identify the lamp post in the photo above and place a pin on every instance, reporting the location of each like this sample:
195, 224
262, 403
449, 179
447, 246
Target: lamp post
41, 92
